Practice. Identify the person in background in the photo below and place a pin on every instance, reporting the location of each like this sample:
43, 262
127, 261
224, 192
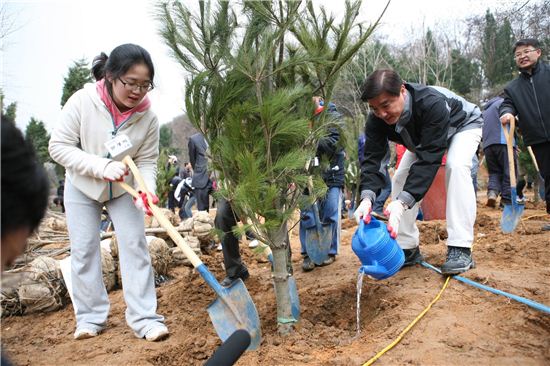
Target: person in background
25, 194
527, 98
25, 191
428, 120
201, 183
187, 171
496, 153
58, 200
330, 206
185, 198
99, 125
172, 201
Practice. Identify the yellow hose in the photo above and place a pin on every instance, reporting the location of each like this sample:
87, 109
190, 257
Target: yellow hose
402, 334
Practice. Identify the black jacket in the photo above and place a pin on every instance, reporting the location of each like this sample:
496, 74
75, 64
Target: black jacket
528, 97
329, 147
432, 116
199, 160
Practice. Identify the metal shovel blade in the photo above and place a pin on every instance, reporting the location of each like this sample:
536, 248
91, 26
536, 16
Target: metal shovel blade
294, 299
511, 214
233, 309
292, 289
318, 238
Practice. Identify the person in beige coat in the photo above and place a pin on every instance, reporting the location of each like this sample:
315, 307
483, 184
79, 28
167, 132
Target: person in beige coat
99, 125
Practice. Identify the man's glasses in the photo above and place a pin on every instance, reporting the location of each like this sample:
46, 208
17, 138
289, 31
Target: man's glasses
524, 53
130, 86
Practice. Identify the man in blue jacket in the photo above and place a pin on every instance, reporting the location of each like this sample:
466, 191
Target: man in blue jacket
496, 156
527, 97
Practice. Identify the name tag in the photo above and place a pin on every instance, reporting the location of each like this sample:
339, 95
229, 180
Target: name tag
118, 145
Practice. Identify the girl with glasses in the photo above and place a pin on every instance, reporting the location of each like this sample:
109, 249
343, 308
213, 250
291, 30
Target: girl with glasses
99, 125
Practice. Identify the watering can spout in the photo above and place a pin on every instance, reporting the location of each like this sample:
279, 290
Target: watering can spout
375, 270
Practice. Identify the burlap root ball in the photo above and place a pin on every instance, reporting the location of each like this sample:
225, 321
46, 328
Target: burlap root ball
39, 288
108, 270
160, 256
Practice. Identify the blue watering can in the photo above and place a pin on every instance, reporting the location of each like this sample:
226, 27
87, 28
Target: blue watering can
380, 255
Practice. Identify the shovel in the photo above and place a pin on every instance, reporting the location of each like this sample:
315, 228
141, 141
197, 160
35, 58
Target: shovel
318, 236
512, 212
233, 309
539, 177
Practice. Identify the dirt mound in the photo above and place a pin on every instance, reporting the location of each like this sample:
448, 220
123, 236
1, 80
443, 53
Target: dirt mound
466, 326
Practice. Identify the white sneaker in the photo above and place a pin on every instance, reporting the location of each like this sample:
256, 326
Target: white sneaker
85, 333
155, 334
520, 201
253, 244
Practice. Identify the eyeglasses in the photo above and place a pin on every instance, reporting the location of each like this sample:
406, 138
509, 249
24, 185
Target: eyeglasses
130, 86
524, 53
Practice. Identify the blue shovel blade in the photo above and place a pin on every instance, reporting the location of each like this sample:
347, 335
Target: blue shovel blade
294, 299
511, 214
318, 243
293, 293
234, 309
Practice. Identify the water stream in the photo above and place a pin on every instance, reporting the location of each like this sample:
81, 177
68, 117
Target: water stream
359, 288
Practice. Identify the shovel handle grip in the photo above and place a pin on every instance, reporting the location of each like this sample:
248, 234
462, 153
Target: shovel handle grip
162, 220
510, 148
533, 158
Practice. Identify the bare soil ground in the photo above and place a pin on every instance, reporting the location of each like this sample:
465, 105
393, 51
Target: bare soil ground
466, 326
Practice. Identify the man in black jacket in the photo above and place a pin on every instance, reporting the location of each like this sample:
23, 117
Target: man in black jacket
428, 121
199, 161
527, 97
329, 149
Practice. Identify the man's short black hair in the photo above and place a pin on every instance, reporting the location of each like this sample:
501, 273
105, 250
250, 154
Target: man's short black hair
527, 42
25, 186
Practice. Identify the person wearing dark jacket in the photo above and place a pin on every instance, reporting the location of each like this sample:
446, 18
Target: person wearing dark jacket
199, 161
329, 149
428, 120
527, 98
496, 156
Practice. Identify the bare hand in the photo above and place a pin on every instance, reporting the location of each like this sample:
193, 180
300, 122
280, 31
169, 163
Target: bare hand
506, 118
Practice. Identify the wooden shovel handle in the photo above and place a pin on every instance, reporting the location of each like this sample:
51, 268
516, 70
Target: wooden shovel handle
533, 158
510, 147
162, 220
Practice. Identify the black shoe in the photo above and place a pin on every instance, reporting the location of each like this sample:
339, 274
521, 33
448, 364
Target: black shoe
331, 258
412, 257
458, 260
228, 281
307, 264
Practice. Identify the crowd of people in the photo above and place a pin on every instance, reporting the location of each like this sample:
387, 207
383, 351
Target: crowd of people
112, 118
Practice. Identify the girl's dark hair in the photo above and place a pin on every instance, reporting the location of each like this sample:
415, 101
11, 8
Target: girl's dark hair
122, 58
380, 81
25, 186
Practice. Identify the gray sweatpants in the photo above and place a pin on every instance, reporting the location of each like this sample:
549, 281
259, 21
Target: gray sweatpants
90, 300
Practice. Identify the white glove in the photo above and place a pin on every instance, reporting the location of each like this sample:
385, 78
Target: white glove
363, 211
115, 171
394, 212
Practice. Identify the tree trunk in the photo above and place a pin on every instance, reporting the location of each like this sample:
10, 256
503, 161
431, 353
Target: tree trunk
281, 273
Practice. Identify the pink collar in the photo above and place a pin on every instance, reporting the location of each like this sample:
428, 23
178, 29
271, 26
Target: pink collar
118, 116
